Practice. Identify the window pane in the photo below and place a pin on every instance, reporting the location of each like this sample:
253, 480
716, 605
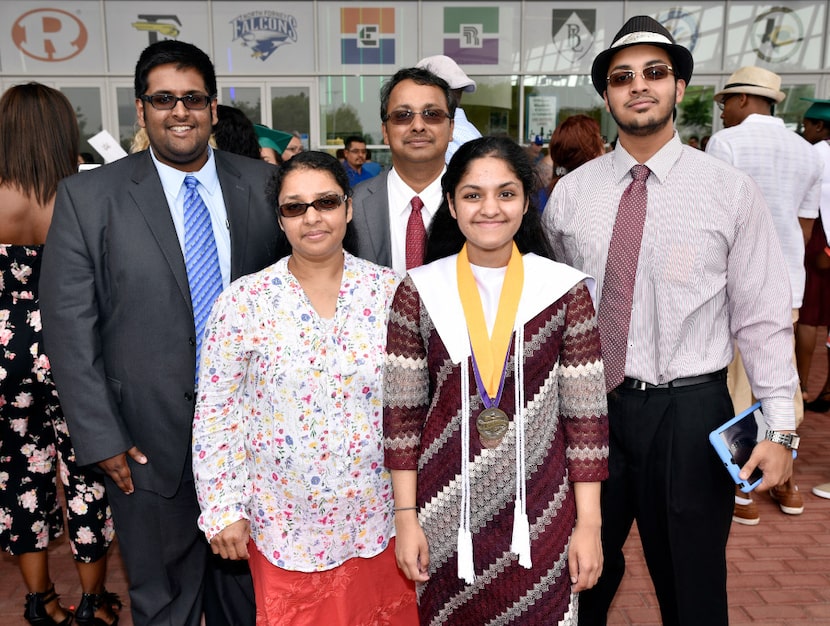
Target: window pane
127, 125
246, 99
290, 110
87, 104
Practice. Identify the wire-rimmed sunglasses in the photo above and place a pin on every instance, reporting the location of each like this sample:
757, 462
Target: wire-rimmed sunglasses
402, 117
623, 78
167, 101
326, 203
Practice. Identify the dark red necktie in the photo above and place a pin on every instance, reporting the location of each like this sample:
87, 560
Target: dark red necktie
416, 235
620, 272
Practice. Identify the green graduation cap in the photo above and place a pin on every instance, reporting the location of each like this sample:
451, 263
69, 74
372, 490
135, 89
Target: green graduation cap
819, 110
270, 138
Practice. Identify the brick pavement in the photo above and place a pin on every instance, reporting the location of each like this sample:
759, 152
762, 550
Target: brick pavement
779, 571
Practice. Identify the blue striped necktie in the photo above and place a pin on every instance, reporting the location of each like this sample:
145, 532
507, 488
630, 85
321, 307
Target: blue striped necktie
201, 259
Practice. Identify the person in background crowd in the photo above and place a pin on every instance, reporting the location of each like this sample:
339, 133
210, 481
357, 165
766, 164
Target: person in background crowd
39, 147
272, 143
446, 68
679, 274
495, 334
694, 142
815, 311
137, 251
785, 167
294, 147
235, 133
393, 209
355, 155
287, 441
575, 141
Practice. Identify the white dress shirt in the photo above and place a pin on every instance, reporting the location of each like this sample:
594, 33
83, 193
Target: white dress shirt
786, 169
400, 195
172, 181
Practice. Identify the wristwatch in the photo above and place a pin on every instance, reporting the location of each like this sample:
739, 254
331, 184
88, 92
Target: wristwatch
788, 440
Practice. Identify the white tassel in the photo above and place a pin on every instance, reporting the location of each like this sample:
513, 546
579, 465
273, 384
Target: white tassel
466, 570
520, 544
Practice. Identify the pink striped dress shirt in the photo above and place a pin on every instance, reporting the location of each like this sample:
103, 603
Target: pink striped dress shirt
710, 268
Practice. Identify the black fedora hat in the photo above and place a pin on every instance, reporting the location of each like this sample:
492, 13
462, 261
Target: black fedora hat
642, 30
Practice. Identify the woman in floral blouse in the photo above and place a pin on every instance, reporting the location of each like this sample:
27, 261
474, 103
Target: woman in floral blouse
287, 444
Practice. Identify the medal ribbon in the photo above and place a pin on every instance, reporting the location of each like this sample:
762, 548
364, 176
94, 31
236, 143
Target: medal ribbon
488, 351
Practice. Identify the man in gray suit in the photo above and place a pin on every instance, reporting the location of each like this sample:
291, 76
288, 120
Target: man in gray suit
416, 111
119, 326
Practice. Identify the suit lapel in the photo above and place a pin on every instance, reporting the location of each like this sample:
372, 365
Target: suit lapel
237, 195
376, 218
149, 198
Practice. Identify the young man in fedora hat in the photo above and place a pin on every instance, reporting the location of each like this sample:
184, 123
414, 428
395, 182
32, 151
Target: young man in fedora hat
685, 256
786, 169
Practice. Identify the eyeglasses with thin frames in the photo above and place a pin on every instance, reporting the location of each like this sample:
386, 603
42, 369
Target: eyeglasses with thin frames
652, 73
167, 101
326, 203
403, 117
722, 102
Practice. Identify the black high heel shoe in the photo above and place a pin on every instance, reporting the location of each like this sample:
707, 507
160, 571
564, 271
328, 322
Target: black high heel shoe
91, 602
35, 612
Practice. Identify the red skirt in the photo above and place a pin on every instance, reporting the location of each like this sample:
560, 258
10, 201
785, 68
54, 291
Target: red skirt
815, 309
360, 592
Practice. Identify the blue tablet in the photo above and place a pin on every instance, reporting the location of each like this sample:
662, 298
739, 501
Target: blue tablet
734, 441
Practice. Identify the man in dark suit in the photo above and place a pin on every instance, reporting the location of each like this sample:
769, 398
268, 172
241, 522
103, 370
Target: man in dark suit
119, 323
416, 112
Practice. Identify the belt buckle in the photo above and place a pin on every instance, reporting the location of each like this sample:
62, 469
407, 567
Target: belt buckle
641, 385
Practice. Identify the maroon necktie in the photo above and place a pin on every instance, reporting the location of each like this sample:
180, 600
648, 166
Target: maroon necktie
620, 271
416, 235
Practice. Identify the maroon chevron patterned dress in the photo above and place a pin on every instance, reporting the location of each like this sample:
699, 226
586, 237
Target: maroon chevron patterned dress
566, 435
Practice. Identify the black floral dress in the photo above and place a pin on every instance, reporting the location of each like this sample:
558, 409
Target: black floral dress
33, 434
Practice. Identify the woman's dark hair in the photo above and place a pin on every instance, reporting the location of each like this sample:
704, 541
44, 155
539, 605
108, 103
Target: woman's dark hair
575, 141
445, 237
310, 160
38, 139
234, 132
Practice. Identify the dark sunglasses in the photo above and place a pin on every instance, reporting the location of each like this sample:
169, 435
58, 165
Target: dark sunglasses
326, 203
166, 101
621, 78
405, 116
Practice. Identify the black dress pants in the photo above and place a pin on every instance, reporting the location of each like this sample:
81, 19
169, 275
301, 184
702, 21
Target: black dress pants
666, 475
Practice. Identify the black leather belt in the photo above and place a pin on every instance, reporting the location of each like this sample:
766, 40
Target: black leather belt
641, 385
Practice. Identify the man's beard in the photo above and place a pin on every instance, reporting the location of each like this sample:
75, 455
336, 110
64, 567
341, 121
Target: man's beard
646, 127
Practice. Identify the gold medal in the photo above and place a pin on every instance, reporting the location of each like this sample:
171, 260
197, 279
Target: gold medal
492, 425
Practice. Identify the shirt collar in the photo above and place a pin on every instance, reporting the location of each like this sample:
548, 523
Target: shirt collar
660, 163
757, 118
172, 180
431, 195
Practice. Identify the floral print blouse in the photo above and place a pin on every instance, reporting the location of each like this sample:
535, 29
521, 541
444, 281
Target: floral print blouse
287, 430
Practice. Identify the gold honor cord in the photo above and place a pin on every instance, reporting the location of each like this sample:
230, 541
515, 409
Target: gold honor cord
489, 351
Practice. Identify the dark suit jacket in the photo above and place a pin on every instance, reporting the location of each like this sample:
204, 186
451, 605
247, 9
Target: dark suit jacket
117, 318
370, 217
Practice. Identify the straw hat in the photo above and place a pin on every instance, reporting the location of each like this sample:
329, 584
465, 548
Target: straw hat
642, 30
755, 81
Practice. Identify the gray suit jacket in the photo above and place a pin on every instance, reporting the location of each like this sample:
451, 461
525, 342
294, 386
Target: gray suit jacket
117, 318
370, 217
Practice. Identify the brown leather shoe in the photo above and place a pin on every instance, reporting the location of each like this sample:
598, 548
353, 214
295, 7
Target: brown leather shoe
788, 498
746, 511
